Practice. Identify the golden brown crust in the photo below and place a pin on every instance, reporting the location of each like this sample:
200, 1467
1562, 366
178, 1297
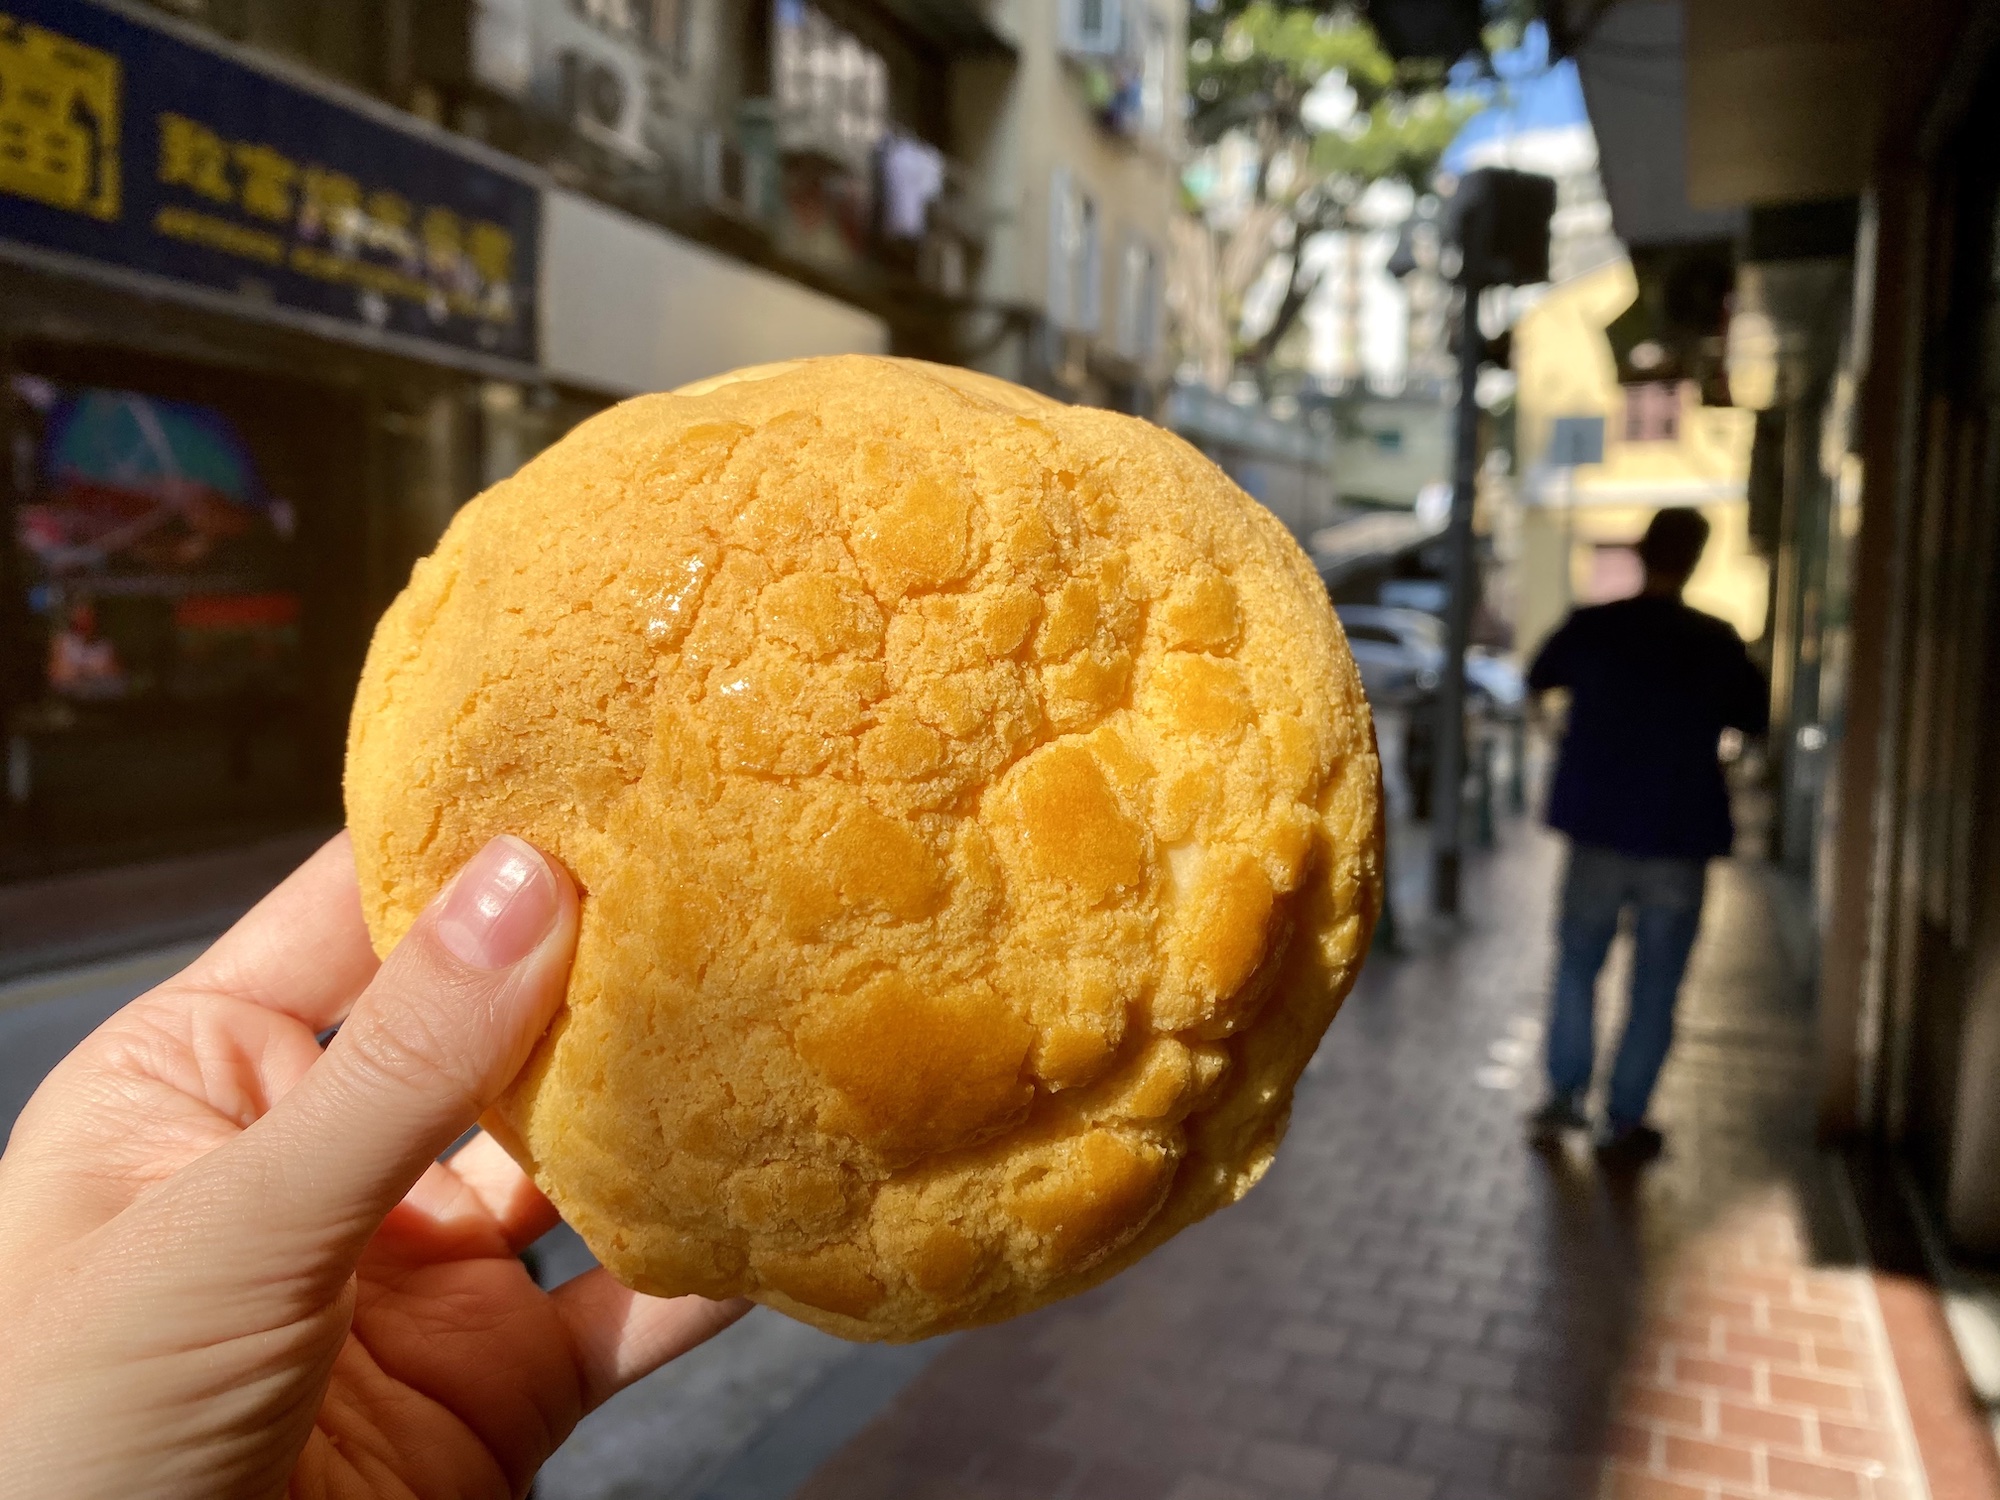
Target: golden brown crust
977, 814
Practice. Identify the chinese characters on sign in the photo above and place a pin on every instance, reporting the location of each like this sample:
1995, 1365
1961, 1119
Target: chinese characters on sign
58, 121
324, 224
128, 145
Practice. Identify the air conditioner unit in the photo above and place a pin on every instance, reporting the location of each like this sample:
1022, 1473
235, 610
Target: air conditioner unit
1093, 28
605, 95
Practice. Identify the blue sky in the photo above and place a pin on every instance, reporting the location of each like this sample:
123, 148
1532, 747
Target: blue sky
1530, 95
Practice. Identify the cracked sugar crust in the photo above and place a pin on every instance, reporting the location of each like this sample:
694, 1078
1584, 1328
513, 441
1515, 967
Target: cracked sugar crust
977, 814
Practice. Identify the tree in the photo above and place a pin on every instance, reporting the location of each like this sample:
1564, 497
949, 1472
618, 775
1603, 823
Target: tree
1324, 113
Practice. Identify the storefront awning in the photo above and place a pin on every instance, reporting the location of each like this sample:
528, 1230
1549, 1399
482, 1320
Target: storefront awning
1633, 64
684, 311
1705, 107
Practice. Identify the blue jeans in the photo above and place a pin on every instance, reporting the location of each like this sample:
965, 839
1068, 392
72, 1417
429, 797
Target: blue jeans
1665, 897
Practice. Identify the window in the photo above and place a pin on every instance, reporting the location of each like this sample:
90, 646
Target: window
1062, 248
1153, 74
668, 32
1090, 28
1089, 272
1075, 268
1653, 412
832, 92
1138, 299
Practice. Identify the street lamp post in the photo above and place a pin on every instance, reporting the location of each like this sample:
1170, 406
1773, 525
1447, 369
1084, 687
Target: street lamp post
1500, 223
1448, 766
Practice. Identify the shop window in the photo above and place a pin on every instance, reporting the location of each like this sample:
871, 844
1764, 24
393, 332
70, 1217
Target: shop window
1653, 412
157, 566
164, 690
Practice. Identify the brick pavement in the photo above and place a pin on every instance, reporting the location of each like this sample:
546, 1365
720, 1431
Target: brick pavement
1413, 1306
1759, 1373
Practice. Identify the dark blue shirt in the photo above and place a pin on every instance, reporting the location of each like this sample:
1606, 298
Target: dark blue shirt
1652, 685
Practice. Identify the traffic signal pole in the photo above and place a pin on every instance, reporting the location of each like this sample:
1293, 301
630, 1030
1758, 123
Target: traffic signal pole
1500, 219
1448, 767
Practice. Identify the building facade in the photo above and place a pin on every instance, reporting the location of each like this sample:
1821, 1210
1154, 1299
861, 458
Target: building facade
1809, 193
1077, 143
287, 281
1596, 457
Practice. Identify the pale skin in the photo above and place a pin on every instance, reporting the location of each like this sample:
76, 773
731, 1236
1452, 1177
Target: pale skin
232, 1265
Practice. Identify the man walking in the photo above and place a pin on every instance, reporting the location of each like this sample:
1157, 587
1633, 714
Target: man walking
1639, 790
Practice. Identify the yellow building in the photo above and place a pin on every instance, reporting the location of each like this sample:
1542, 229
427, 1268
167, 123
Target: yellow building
1661, 446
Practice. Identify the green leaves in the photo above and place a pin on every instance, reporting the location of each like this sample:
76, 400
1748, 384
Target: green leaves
1257, 61
1252, 69
1252, 65
1400, 137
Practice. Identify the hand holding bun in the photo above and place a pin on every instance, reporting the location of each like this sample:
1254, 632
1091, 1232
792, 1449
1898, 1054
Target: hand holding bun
976, 814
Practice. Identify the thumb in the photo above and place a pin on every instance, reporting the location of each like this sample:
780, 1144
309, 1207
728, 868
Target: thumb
444, 1027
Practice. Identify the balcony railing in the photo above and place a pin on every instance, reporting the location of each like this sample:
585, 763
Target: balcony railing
901, 212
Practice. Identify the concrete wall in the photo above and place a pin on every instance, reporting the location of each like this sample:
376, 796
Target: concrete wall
1564, 369
628, 307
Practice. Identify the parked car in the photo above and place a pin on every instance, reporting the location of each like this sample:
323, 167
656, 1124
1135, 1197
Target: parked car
1496, 684
1399, 664
1401, 655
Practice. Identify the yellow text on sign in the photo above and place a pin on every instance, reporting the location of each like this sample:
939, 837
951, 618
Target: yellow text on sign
59, 120
334, 219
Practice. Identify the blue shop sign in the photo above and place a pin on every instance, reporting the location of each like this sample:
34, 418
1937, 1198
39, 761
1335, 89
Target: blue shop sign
129, 145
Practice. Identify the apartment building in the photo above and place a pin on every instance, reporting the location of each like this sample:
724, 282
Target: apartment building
335, 265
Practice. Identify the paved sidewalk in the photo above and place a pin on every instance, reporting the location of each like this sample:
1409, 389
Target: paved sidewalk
1760, 1373
1414, 1306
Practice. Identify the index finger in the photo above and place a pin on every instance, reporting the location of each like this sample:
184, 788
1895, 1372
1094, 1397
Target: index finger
303, 950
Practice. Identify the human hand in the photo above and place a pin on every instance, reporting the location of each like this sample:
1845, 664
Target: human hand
231, 1264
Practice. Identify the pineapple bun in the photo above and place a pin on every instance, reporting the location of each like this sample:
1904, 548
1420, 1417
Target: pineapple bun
975, 811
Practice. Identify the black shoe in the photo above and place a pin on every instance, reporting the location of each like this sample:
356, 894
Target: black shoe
1547, 1125
1630, 1145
